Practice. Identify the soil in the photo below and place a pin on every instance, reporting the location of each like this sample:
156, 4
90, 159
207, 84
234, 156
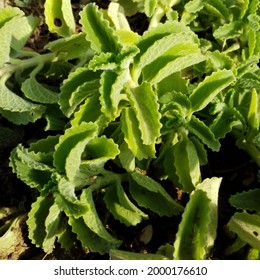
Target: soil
237, 169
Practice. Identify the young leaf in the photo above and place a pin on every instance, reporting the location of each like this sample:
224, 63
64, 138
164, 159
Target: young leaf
150, 194
101, 36
246, 226
89, 240
93, 221
203, 132
36, 219
186, 164
197, 230
208, 89
52, 228
144, 102
130, 125
74, 137
59, 17
121, 207
112, 84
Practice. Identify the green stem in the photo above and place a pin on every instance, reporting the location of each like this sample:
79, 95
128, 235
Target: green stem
20, 65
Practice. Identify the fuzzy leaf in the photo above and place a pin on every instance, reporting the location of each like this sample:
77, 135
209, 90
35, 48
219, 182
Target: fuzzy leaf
52, 228
208, 89
186, 164
135, 144
144, 102
197, 230
73, 142
93, 221
38, 92
249, 200
203, 132
11, 104
98, 31
246, 226
112, 84
150, 194
36, 219
59, 17
89, 240
97, 152
121, 207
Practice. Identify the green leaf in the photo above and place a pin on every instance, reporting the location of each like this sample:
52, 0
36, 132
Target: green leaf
127, 158
59, 17
203, 132
71, 208
93, 221
74, 46
144, 102
52, 228
121, 207
12, 106
132, 135
246, 226
36, 219
186, 164
38, 92
253, 115
101, 36
76, 84
74, 138
197, 230
112, 84
208, 89
150, 194
97, 152
31, 167
89, 240
7, 13
249, 200
230, 30
149, 7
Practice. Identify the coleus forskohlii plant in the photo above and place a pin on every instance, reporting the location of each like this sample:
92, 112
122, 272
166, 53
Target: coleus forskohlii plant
125, 104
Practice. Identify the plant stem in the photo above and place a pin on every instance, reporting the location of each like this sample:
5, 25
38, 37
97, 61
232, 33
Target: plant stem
20, 65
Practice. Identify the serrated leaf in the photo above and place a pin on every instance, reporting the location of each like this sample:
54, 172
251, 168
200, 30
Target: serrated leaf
246, 226
186, 163
121, 207
150, 194
144, 102
71, 208
38, 92
208, 89
253, 116
127, 158
112, 84
59, 17
230, 30
75, 82
74, 137
36, 219
52, 228
89, 240
98, 31
74, 46
203, 132
97, 152
130, 128
30, 167
93, 221
197, 230
12, 103
248, 200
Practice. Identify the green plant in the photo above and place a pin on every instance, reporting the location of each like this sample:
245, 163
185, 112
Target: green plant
129, 113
